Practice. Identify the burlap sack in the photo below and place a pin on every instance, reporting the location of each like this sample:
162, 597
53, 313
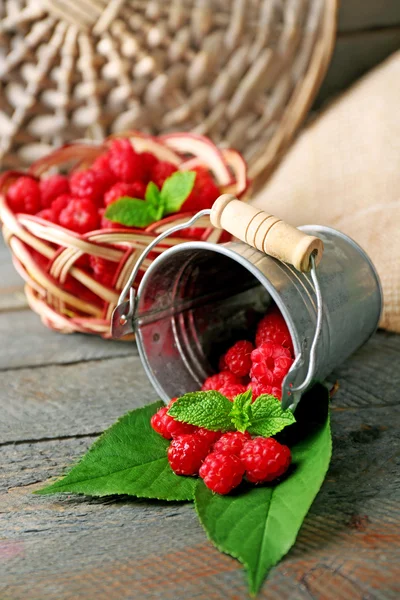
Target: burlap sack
344, 171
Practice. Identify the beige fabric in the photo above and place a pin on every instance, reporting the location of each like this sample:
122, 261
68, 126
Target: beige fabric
344, 171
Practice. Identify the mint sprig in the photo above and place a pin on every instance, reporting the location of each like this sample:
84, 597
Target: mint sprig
157, 203
214, 411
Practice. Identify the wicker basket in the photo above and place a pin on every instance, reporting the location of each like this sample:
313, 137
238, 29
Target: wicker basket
48, 256
242, 72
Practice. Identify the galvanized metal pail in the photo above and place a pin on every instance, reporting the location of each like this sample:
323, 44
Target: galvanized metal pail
198, 298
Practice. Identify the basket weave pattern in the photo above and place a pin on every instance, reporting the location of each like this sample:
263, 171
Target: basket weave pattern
47, 256
242, 72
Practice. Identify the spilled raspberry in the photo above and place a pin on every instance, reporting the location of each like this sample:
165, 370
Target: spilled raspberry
264, 459
273, 328
187, 453
221, 472
216, 382
238, 358
167, 426
231, 442
271, 363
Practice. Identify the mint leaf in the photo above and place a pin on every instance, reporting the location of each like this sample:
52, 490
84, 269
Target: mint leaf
152, 194
129, 458
241, 413
267, 417
176, 190
133, 212
204, 409
259, 525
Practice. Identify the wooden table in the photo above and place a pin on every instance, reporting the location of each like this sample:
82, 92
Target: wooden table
58, 393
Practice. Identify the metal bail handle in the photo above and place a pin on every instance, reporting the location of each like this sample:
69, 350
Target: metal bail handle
123, 315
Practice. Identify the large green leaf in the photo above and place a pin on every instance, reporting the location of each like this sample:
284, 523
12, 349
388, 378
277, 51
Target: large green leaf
258, 525
129, 458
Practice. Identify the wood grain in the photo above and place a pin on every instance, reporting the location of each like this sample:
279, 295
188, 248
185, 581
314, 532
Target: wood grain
26, 342
72, 547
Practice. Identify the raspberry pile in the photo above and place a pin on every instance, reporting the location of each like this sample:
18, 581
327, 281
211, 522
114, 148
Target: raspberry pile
222, 460
78, 202
260, 367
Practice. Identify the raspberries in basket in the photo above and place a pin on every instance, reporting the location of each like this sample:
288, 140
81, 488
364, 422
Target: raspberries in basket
132, 185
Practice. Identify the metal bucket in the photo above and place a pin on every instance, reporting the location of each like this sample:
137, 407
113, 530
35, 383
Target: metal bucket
198, 298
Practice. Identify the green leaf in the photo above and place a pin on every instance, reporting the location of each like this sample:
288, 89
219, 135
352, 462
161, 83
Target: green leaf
152, 195
176, 189
132, 212
267, 417
258, 525
241, 413
204, 409
129, 458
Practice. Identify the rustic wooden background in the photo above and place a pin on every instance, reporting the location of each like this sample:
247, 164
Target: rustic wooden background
59, 392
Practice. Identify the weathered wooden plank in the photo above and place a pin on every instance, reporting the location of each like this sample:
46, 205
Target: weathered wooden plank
84, 398
356, 15
56, 548
353, 56
26, 342
87, 397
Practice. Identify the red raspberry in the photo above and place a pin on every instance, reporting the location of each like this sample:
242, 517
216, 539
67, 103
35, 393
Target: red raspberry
91, 185
271, 362
167, 426
238, 358
259, 389
208, 435
231, 442
161, 171
59, 204
149, 162
52, 187
230, 390
186, 454
204, 192
46, 214
221, 472
264, 459
79, 215
23, 196
104, 270
273, 328
126, 164
215, 382
137, 189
